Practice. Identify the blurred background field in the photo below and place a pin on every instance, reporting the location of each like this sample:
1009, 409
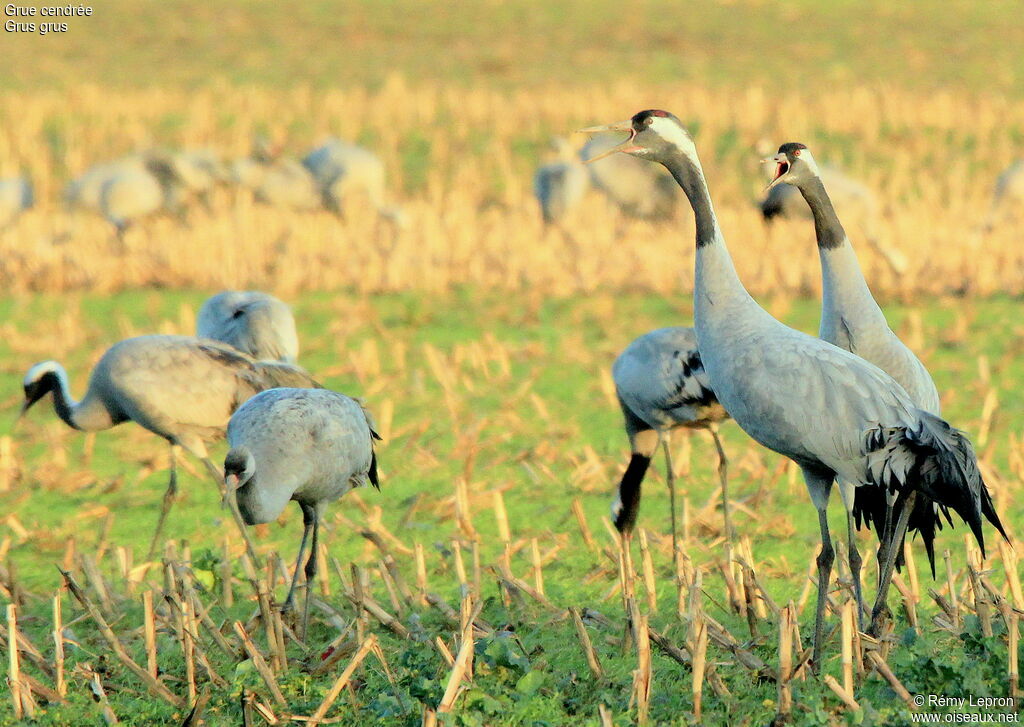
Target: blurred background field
483, 341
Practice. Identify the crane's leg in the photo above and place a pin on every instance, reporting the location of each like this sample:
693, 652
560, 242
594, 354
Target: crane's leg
890, 562
232, 503
819, 485
308, 516
825, 558
311, 568
168, 501
849, 494
855, 564
670, 478
723, 476
890, 505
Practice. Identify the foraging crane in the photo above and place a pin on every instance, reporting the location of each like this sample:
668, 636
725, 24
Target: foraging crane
560, 185
852, 320
180, 388
16, 196
311, 446
1008, 195
257, 324
131, 194
276, 180
639, 190
834, 414
342, 170
661, 385
199, 171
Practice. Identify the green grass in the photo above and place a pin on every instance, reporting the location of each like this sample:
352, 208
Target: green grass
926, 44
561, 346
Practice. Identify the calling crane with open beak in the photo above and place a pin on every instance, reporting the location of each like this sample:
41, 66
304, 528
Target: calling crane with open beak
626, 146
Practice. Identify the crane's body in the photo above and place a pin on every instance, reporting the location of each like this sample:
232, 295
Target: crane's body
310, 446
256, 323
661, 385
1007, 197
343, 171
16, 196
560, 185
850, 317
637, 189
182, 389
853, 321
834, 414
277, 181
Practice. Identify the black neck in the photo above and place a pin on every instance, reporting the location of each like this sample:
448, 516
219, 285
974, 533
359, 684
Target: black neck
827, 227
689, 176
61, 399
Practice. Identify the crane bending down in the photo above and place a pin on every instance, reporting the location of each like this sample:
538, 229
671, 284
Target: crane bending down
311, 446
257, 324
852, 320
661, 386
180, 388
560, 185
831, 412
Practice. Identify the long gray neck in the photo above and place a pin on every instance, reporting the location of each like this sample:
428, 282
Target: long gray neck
827, 227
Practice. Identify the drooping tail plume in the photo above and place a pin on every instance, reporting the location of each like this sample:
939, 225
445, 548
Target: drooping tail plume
939, 462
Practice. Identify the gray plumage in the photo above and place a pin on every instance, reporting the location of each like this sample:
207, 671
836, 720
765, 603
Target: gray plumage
637, 189
133, 193
310, 446
180, 388
833, 413
850, 317
198, 173
1008, 195
16, 196
560, 185
84, 192
255, 323
278, 182
661, 385
344, 171
853, 321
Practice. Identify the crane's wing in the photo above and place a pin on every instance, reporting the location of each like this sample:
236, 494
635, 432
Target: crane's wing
809, 400
661, 379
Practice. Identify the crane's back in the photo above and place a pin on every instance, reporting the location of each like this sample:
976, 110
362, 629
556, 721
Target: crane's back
310, 445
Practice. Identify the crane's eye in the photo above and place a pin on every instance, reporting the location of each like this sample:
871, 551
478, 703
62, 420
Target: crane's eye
649, 120
796, 152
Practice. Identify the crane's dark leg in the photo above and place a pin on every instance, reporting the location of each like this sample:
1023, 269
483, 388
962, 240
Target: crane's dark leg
670, 478
825, 558
855, 564
168, 501
231, 500
890, 503
890, 562
723, 476
819, 486
311, 568
308, 517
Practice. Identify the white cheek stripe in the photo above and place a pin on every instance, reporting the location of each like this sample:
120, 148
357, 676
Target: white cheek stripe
670, 131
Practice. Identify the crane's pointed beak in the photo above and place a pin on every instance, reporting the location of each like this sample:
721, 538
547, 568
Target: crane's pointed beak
781, 169
230, 485
626, 147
